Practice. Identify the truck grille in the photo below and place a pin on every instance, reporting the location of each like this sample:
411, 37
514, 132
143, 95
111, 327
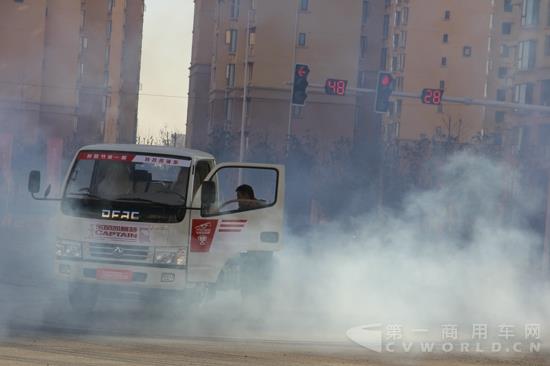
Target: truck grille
118, 251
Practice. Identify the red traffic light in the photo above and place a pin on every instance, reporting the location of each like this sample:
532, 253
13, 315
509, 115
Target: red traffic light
302, 71
384, 89
386, 80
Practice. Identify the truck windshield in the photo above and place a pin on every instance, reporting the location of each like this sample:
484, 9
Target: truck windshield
155, 186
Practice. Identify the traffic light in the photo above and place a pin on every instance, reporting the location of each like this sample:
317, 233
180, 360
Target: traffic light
300, 84
384, 88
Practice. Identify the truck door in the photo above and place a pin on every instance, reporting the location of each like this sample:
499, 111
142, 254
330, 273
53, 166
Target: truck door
236, 222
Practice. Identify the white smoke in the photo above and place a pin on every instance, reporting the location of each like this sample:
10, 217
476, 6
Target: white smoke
452, 254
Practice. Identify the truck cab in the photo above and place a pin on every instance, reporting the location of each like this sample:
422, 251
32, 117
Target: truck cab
163, 220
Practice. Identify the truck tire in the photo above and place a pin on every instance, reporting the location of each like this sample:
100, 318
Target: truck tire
83, 298
256, 274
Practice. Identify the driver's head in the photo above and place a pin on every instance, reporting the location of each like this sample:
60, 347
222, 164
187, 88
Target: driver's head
245, 191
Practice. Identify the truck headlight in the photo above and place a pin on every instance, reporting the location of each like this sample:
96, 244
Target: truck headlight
171, 255
68, 249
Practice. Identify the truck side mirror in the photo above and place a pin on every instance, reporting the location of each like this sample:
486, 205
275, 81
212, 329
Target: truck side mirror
34, 182
208, 194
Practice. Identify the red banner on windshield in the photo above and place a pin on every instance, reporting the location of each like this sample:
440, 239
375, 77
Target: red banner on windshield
84, 155
133, 158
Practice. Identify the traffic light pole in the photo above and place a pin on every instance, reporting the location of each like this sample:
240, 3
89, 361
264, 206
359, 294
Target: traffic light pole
295, 35
455, 100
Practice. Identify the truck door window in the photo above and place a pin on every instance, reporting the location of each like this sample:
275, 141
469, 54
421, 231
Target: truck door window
202, 169
244, 189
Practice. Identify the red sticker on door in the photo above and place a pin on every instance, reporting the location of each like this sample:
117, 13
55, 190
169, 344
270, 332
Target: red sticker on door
202, 234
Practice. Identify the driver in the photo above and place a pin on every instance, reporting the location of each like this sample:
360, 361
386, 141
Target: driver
246, 198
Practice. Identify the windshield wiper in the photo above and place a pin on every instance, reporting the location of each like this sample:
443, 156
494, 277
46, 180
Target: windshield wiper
87, 195
137, 199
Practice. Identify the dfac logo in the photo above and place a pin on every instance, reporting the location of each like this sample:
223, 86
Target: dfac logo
120, 215
202, 234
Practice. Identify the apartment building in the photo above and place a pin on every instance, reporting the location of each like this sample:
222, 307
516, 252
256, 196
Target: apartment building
519, 70
267, 38
436, 44
69, 75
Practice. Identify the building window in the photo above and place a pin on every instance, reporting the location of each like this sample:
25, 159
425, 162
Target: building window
443, 61
362, 79
405, 16
231, 40
523, 93
508, 7
447, 15
395, 40
467, 51
502, 72
399, 83
297, 111
499, 116
252, 37
110, 4
109, 29
504, 51
397, 18
107, 54
228, 106
394, 65
547, 45
106, 77
386, 27
545, 93
506, 28
530, 12
230, 75
364, 46
365, 13
302, 40
403, 36
527, 54
442, 84
445, 38
501, 95
83, 43
250, 71
402, 62
234, 9
304, 5
383, 58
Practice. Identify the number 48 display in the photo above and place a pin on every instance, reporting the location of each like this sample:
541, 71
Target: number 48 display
432, 96
336, 87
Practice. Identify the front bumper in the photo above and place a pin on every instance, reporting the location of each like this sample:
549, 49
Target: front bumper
125, 275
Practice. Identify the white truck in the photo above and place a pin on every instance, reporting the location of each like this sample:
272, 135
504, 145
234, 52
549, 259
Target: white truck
160, 221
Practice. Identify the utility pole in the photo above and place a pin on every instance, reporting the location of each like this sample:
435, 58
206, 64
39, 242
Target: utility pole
292, 68
245, 87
